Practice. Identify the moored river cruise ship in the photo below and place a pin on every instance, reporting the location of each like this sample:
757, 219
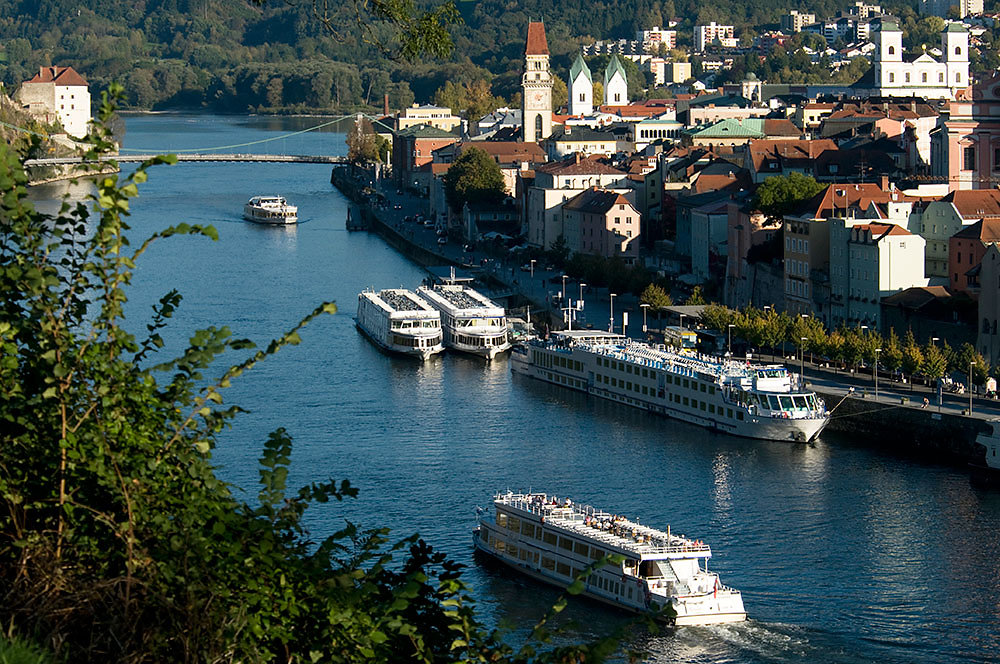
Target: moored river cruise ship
763, 401
400, 321
554, 540
472, 322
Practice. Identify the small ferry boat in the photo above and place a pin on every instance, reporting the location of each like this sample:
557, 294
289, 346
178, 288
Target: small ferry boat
763, 401
553, 540
270, 210
472, 322
400, 321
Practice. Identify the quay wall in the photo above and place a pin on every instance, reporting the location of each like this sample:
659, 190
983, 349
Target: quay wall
893, 425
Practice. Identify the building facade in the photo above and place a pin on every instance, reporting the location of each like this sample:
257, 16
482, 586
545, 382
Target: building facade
536, 85
58, 94
895, 76
581, 88
601, 222
615, 84
705, 35
988, 338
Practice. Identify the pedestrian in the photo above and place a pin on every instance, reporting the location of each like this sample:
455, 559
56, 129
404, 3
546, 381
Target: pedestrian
926, 402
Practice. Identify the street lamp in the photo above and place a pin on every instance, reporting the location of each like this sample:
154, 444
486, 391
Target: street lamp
580, 302
644, 307
682, 321
729, 331
934, 339
875, 371
611, 324
562, 294
802, 358
972, 363
531, 264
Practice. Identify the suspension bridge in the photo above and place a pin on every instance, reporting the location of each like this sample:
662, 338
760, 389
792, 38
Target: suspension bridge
238, 152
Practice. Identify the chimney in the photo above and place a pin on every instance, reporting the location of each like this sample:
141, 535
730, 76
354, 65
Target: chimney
385, 104
577, 156
884, 183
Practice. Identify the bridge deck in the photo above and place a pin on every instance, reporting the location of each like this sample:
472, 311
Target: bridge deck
261, 158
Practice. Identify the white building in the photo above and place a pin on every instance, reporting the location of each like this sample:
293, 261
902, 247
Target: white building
795, 20
581, 88
924, 76
651, 39
439, 117
58, 93
557, 182
879, 259
615, 84
941, 7
705, 35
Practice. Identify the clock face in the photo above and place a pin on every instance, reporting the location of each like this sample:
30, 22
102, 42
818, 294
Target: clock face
538, 97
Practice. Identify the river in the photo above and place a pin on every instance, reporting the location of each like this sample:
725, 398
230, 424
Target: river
843, 554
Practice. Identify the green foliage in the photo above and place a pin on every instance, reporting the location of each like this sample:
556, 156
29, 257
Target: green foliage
934, 364
892, 352
611, 273
363, 144
473, 177
118, 542
656, 297
780, 194
18, 652
696, 297
963, 360
912, 357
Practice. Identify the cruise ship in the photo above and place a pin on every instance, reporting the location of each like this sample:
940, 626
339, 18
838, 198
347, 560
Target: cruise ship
400, 321
472, 322
554, 540
763, 401
270, 210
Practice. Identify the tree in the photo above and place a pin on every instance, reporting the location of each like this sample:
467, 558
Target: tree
934, 364
363, 143
656, 297
120, 543
912, 358
696, 297
560, 93
963, 360
780, 194
892, 352
474, 177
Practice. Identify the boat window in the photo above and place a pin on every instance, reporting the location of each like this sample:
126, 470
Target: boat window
774, 402
812, 401
580, 548
514, 524
548, 563
800, 401
528, 529
565, 543
596, 553
786, 402
562, 568
502, 519
549, 538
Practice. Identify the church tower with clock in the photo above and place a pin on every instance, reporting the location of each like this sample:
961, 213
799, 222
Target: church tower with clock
536, 86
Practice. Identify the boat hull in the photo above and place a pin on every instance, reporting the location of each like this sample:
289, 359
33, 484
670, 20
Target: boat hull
272, 221
421, 354
799, 430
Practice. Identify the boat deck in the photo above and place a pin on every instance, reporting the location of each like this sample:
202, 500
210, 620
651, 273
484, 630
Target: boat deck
400, 301
612, 530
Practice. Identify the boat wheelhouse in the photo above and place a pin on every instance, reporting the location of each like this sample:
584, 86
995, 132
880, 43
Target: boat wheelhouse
753, 400
555, 540
472, 322
400, 321
270, 210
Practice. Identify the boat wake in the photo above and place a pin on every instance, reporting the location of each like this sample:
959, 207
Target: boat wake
749, 641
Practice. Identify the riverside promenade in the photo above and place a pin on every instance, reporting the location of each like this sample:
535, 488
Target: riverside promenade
898, 419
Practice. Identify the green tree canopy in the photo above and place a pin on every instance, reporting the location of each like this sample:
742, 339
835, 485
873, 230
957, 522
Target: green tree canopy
656, 297
780, 194
474, 177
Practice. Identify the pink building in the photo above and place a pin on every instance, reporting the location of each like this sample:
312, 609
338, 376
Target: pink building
966, 249
605, 223
965, 147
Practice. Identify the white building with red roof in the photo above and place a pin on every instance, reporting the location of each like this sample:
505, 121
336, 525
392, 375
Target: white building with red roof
58, 93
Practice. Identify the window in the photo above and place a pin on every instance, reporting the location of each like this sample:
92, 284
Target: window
892, 77
907, 77
958, 50
941, 77
618, 97
958, 77
996, 159
892, 51
582, 97
969, 158
923, 77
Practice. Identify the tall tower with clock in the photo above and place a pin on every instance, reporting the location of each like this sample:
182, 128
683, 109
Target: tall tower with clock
536, 86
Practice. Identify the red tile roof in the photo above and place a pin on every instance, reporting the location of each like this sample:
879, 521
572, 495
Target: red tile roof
986, 230
786, 153
879, 231
58, 75
595, 201
577, 165
537, 45
839, 197
975, 203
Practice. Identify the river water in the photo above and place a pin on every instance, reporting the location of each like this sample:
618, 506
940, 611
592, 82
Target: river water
843, 554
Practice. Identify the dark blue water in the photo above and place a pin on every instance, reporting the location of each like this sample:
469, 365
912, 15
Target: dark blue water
843, 554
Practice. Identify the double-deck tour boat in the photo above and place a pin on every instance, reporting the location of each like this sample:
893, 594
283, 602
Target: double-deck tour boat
762, 401
472, 322
270, 210
398, 320
554, 540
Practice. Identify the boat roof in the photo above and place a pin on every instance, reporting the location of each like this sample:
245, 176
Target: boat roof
659, 356
613, 531
458, 299
401, 300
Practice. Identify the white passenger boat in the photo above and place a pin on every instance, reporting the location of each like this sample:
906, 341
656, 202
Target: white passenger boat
988, 472
472, 323
400, 321
762, 401
270, 210
554, 540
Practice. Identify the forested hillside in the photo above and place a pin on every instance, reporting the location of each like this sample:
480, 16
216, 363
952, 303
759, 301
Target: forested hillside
229, 55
